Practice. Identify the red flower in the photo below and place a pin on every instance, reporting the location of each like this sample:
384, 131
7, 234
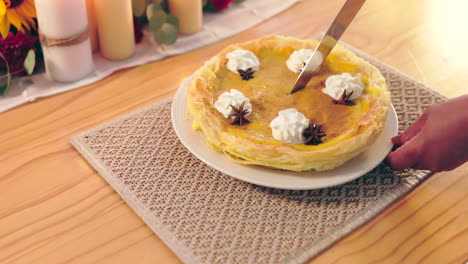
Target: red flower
221, 4
15, 49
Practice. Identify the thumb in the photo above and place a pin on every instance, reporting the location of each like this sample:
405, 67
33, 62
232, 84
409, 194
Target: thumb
408, 155
412, 131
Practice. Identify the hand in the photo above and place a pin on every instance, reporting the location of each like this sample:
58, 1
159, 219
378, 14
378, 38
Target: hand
437, 141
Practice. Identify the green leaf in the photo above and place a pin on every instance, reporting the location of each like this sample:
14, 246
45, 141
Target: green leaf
30, 62
167, 34
171, 19
139, 7
239, 1
204, 2
5, 77
157, 20
209, 8
151, 9
164, 4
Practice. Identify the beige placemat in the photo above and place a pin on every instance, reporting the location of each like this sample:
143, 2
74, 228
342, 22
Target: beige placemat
205, 216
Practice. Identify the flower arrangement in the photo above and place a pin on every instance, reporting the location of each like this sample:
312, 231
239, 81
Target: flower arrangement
218, 5
19, 42
164, 25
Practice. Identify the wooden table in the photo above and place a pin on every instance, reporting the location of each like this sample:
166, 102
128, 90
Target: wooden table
54, 208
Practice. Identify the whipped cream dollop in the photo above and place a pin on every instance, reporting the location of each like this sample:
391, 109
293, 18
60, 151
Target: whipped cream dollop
298, 59
241, 59
335, 86
234, 98
289, 125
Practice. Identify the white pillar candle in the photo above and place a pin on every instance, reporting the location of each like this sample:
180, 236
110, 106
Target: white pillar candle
66, 46
189, 13
115, 28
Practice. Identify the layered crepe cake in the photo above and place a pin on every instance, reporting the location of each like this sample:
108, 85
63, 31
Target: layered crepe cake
240, 100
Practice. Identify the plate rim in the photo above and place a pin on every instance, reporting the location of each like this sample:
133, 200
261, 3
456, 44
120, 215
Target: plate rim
181, 95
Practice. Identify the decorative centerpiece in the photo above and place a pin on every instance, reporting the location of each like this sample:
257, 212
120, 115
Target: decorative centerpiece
18, 40
68, 28
240, 100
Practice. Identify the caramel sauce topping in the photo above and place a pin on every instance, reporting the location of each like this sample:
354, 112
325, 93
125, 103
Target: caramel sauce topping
269, 94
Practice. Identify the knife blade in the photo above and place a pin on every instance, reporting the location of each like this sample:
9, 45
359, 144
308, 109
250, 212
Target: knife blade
337, 28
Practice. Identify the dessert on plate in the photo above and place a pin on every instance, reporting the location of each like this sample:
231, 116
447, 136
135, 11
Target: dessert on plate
240, 100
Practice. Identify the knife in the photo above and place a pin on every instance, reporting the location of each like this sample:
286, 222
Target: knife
339, 25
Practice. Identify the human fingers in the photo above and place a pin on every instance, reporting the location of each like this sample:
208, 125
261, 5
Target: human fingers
407, 155
412, 131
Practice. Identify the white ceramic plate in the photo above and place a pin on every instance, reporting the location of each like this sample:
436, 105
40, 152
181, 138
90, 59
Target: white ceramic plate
354, 168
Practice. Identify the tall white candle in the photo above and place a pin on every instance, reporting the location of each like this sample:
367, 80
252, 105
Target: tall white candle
189, 13
115, 28
63, 26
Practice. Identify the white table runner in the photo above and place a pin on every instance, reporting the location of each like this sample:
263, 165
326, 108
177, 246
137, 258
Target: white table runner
216, 26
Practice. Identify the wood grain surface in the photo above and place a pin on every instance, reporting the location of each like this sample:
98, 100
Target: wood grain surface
54, 208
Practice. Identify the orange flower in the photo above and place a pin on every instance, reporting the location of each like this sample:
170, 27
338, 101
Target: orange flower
19, 13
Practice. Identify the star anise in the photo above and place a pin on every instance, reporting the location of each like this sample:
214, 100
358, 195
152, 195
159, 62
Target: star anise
344, 99
247, 74
313, 134
238, 117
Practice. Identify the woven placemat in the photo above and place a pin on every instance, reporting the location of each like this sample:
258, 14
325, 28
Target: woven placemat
205, 216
